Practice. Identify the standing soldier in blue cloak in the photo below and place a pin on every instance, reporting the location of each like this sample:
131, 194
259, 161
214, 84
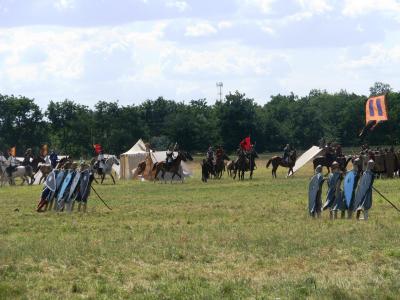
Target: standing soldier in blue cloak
314, 193
334, 194
350, 185
363, 197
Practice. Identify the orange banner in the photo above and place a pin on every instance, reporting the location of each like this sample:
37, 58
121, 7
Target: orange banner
375, 109
12, 151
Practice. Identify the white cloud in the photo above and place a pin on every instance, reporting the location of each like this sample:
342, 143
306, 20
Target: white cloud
179, 4
378, 57
225, 25
361, 7
265, 6
228, 61
315, 6
64, 4
200, 29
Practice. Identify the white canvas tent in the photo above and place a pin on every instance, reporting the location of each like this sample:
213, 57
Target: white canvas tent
130, 160
306, 157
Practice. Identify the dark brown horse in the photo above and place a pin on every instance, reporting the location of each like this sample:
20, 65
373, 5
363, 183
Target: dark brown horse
327, 162
245, 162
279, 161
173, 168
220, 165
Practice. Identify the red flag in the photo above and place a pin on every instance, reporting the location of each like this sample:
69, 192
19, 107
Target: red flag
246, 144
97, 148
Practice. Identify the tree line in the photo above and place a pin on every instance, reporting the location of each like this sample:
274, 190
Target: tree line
72, 128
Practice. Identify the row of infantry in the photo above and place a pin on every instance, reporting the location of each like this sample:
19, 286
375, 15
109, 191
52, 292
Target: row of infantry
356, 195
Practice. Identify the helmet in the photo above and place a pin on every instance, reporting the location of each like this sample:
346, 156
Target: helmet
335, 165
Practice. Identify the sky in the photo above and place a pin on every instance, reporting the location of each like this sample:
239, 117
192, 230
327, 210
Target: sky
133, 50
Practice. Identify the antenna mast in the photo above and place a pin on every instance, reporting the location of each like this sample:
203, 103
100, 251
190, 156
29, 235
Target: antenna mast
220, 85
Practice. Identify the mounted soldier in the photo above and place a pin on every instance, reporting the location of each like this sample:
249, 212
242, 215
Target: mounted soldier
338, 151
170, 155
100, 162
28, 155
219, 153
322, 143
12, 162
53, 159
210, 156
286, 153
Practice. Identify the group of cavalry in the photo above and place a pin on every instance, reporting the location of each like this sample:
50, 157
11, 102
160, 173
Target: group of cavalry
216, 162
31, 166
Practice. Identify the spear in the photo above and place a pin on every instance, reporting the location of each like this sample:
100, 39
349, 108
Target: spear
386, 199
100, 198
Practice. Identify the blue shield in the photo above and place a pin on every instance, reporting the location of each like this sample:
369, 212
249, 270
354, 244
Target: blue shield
313, 188
363, 197
349, 186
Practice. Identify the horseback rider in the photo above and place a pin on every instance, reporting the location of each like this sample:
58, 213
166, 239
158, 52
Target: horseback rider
286, 153
329, 153
322, 143
210, 155
12, 163
219, 153
170, 155
53, 159
338, 151
27, 157
100, 162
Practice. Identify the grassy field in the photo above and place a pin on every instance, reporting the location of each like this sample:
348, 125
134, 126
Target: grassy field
223, 239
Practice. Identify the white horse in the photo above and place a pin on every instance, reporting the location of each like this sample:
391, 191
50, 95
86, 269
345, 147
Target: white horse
110, 161
3, 166
23, 172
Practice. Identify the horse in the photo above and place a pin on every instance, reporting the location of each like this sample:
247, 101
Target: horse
327, 162
110, 161
45, 169
230, 167
279, 161
23, 172
144, 168
244, 163
173, 168
207, 170
34, 163
219, 166
61, 163
3, 166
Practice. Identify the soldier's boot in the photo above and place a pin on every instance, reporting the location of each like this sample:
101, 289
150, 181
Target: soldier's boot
331, 215
358, 214
335, 213
84, 207
365, 215
343, 214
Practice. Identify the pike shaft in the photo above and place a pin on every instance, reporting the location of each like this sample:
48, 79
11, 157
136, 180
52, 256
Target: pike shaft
100, 198
386, 199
